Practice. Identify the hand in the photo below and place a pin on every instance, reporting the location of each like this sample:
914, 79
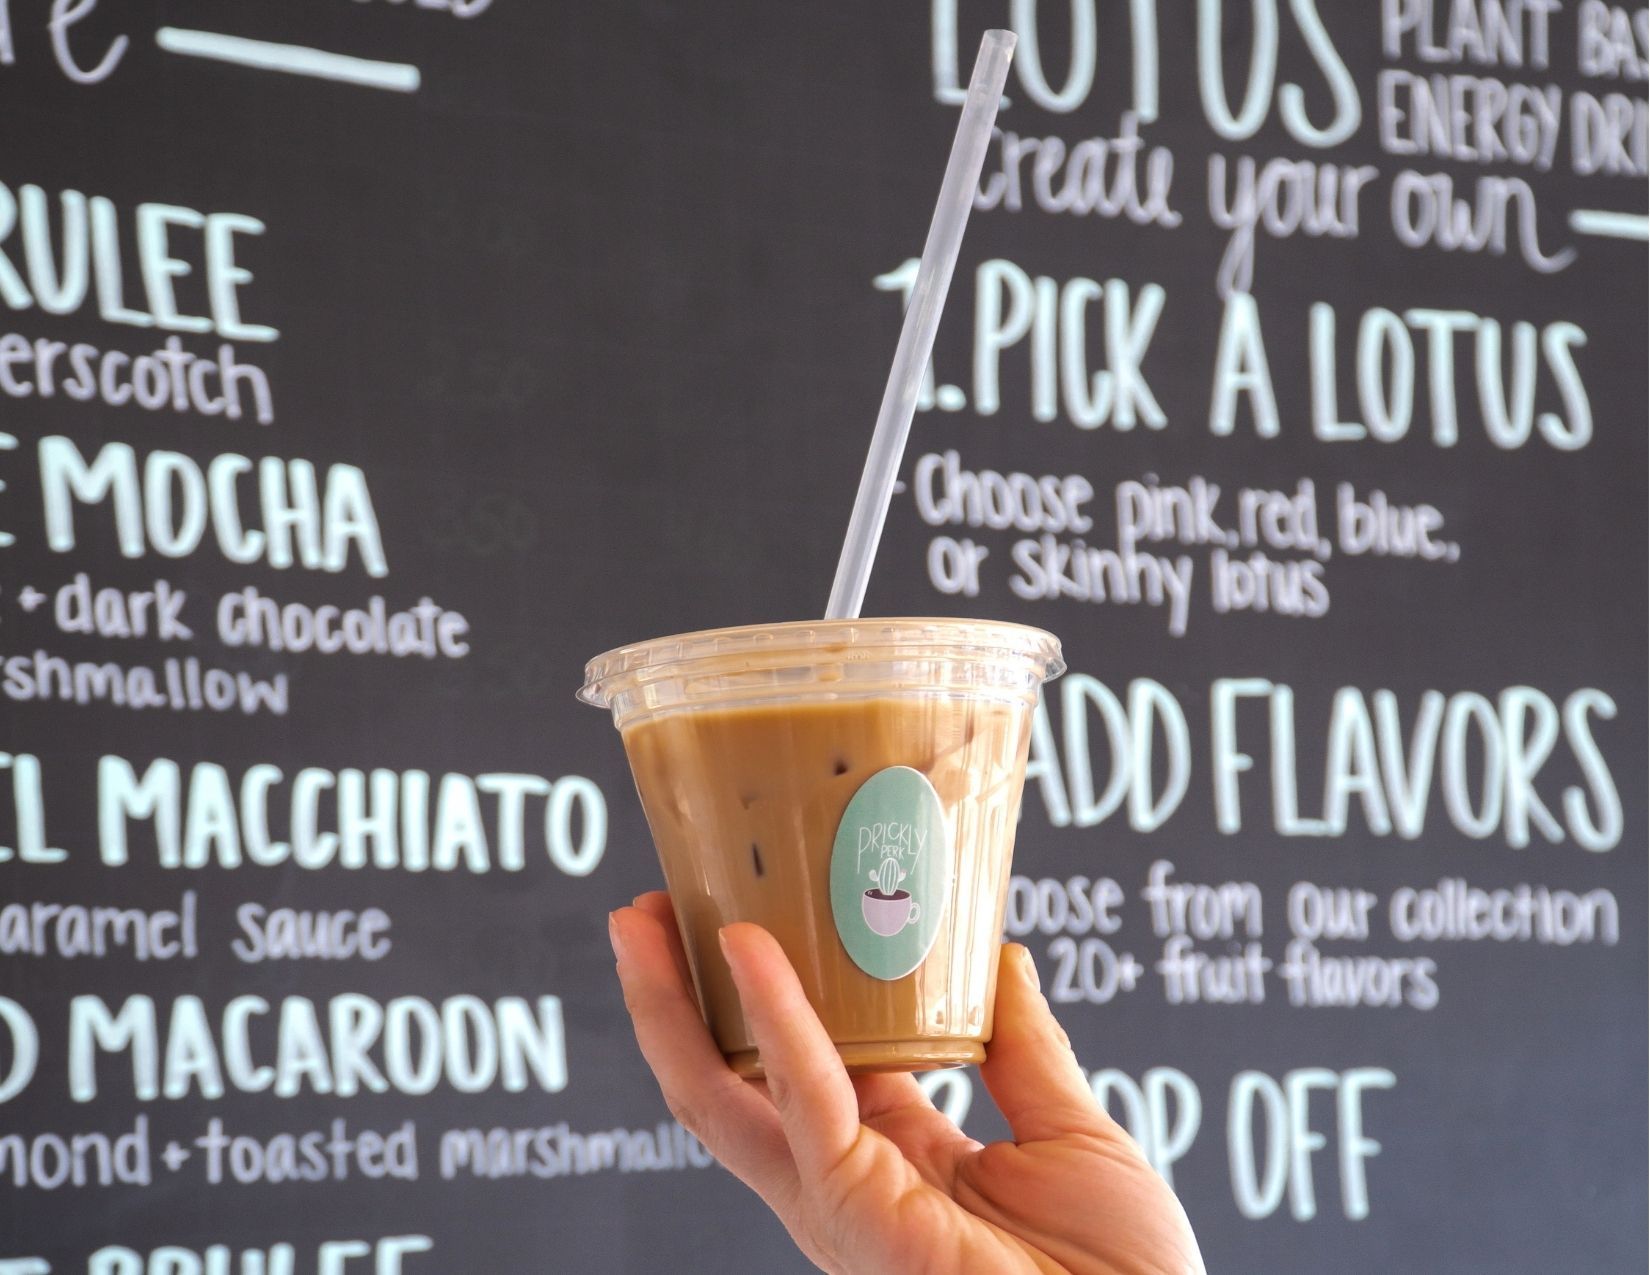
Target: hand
866, 1174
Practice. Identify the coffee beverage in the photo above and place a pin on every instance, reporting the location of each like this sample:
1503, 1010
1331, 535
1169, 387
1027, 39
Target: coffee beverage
852, 787
770, 786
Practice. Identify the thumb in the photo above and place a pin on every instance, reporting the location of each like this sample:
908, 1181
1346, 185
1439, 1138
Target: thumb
1029, 1067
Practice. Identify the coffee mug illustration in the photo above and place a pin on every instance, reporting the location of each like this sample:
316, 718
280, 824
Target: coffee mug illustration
887, 908
891, 872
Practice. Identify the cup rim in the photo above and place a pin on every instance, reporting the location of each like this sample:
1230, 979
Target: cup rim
952, 636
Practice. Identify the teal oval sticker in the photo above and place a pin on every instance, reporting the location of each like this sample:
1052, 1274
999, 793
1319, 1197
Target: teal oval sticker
891, 872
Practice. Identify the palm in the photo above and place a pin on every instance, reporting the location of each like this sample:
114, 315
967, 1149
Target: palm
935, 1199
866, 1174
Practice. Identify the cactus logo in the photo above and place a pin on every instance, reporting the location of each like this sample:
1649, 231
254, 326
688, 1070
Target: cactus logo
891, 872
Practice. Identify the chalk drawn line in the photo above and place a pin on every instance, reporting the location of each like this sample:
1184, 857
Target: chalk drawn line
1613, 225
293, 59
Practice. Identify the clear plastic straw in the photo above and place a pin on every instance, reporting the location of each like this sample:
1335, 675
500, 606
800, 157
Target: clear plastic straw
922, 319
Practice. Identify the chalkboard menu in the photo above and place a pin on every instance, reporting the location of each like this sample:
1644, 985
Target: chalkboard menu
367, 365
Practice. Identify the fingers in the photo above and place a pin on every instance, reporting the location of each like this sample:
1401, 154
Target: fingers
882, 1092
899, 1095
1029, 1067
806, 1079
896, 1106
656, 903
734, 1121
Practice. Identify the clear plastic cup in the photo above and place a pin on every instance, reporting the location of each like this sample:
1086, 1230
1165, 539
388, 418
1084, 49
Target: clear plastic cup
852, 786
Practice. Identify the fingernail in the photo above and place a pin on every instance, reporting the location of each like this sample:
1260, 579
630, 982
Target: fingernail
722, 941
613, 936
1031, 968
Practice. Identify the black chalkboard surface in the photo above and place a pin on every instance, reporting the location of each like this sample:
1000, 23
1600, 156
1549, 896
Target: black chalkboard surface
367, 366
